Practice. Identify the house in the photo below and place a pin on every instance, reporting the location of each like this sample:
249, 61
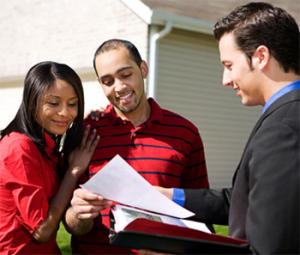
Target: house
174, 36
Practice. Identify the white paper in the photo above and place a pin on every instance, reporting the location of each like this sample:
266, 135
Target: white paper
119, 182
196, 225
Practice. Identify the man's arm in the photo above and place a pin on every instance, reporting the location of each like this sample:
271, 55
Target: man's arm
210, 206
77, 226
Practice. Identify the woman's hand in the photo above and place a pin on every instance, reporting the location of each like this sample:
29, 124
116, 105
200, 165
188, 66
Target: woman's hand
78, 162
79, 158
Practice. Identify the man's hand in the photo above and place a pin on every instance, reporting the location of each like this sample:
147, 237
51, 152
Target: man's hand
168, 192
86, 205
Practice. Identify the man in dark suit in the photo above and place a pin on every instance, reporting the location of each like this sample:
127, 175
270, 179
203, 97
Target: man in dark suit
259, 49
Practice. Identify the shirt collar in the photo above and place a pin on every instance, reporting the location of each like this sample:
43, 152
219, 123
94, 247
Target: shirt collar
111, 113
156, 111
290, 87
155, 115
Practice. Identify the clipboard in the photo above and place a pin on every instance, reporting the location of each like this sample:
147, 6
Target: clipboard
143, 233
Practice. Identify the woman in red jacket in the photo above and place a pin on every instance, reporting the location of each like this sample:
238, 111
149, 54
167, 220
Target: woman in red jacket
43, 151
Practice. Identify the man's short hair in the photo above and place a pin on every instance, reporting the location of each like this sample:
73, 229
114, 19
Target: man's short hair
259, 23
116, 44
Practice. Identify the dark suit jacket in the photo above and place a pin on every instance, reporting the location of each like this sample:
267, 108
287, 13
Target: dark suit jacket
263, 204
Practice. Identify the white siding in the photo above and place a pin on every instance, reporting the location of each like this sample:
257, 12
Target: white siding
93, 96
10, 100
67, 31
189, 83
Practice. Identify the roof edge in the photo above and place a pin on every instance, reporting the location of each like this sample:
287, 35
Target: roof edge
158, 17
140, 9
182, 22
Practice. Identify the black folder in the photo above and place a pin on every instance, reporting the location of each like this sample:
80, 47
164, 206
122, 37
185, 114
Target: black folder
152, 235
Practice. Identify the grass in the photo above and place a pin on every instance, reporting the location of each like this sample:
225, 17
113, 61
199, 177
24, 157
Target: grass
64, 238
221, 230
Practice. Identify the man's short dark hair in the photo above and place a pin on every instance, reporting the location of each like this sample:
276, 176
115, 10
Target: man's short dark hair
259, 23
116, 44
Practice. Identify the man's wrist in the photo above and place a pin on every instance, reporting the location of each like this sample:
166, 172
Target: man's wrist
75, 225
178, 196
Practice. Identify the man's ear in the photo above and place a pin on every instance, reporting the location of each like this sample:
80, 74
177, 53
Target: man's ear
261, 56
144, 69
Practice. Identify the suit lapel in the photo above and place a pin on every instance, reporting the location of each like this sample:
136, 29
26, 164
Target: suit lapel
287, 98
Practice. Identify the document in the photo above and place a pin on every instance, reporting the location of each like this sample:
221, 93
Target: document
137, 229
119, 182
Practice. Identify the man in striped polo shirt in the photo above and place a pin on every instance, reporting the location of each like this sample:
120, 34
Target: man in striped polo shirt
165, 148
